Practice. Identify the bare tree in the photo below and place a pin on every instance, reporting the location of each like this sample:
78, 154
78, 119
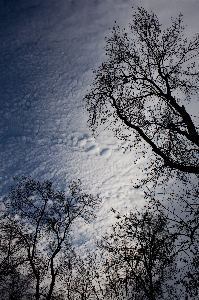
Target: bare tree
142, 92
14, 284
85, 282
182, 218
40, 219
140, 258
143, 87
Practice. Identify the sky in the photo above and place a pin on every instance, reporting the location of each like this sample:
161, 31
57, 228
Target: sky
48, 50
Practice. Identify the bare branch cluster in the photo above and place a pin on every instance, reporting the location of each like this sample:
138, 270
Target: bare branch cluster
38, 220
142, 87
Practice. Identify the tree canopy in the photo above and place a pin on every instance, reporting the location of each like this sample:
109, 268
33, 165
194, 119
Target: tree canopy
140, 257
144, 86
38, 219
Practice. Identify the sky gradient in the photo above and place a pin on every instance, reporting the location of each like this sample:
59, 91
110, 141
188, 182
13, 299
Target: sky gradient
47, 53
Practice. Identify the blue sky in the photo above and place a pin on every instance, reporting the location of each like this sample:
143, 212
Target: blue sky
47, 53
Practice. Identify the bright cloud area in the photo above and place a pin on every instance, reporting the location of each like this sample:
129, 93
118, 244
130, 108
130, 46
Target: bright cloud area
47, 54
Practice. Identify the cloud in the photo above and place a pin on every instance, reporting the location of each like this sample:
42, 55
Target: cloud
48, 51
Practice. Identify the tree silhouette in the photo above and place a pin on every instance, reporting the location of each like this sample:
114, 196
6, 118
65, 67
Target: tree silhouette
13, 283
85, 282
142, 93
40, 219
181, 212
143, 87
140, 258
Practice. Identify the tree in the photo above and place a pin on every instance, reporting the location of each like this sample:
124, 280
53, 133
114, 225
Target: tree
85, 282
143, 87
140, 258
142, 91
182, 218
16, 286
13, 283
40, 219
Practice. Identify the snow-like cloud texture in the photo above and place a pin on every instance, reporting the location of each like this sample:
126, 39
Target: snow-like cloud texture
47, 52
